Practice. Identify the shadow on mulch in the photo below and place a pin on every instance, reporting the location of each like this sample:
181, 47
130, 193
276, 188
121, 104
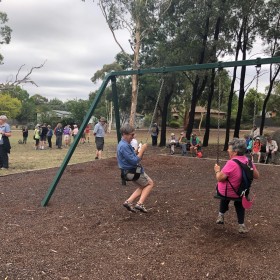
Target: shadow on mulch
85, 233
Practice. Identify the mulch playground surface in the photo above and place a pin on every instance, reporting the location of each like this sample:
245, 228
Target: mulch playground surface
86, 233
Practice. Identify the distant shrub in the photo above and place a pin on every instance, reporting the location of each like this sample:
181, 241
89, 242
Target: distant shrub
174, 124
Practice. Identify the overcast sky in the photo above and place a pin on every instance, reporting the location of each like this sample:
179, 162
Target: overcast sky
70, 35
74, 40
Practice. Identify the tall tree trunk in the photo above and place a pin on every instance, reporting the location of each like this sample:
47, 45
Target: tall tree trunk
231, 93
213, 73
271, 84
242, 82
196, 92
208, 113
165, 107
134, 78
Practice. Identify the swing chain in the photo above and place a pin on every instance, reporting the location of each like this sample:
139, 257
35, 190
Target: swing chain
155, 109
219, 110
258, 69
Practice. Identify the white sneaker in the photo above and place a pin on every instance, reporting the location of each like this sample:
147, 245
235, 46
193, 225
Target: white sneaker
220, 220
242, 228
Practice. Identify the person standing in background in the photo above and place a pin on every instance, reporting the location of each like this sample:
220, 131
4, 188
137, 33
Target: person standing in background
87, 133
43, 136
49, 136
99, 133
154, 134
5, 147
58, 133
36, 136
75, 131
24, 134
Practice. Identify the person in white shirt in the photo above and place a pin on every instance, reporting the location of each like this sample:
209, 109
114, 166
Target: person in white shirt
99, 133
271, 149
255, 132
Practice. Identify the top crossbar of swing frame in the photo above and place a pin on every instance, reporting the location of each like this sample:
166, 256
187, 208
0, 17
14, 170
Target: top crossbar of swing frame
112, 77
192, 67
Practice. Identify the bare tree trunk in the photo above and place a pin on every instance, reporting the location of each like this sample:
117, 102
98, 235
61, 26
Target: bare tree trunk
272, 80
242, 82
134, 93
208, 113
213, 74
110, 117
231, 93
197, 91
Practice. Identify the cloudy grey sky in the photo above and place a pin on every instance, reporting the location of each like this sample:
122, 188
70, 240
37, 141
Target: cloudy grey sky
74, 40
71, 35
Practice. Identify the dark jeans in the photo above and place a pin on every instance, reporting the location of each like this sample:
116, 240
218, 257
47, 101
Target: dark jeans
154, 140
4, 159
184, 148
240, 211
50, 141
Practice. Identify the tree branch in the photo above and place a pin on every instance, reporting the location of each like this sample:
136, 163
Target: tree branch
25, 80
112, 31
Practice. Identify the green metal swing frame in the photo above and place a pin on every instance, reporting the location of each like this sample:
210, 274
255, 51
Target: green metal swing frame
112, 77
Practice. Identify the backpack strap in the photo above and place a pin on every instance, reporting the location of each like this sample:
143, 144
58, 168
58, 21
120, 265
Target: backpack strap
244, 175
238, 163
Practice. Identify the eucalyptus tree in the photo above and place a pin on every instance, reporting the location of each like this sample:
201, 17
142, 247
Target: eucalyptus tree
243, 23
247, 17
139, 18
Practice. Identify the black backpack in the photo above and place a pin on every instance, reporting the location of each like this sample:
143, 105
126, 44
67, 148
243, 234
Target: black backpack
247, 177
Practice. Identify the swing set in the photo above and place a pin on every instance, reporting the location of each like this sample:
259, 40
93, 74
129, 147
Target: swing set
112, 77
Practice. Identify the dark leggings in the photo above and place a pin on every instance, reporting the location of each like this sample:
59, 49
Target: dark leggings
4, 159
240, 211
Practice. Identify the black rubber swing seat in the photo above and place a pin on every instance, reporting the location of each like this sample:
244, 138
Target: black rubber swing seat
227, 198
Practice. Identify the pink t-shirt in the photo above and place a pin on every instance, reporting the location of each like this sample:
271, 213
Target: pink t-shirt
234, 175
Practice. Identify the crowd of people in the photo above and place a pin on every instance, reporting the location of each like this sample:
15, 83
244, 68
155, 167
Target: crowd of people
43, 135
193, 145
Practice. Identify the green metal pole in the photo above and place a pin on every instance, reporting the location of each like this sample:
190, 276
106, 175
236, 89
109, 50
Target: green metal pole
220, 64
75, 143
116, 106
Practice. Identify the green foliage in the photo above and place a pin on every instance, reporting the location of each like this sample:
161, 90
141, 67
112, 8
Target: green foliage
78, 108
9, 106
5, 32
252, 100
107, 68
56, 104
274, 100
174, 124
214, 123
